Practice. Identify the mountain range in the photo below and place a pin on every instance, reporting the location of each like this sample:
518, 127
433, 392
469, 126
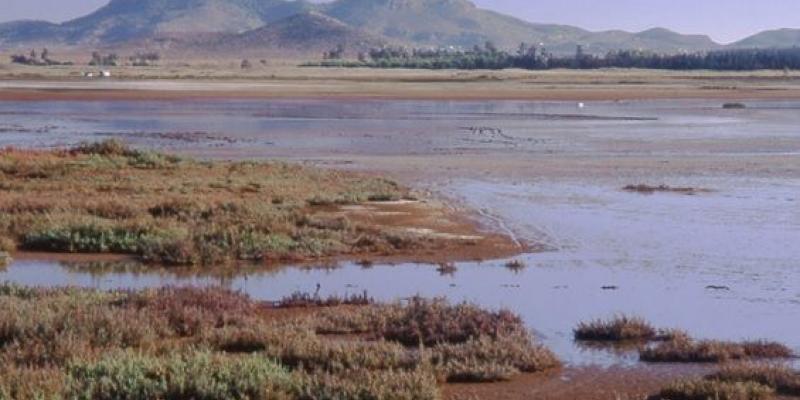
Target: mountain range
236, 25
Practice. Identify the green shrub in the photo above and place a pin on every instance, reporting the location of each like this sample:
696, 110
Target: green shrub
620, 328
7, 244
492, 359
683, 349
432, 322
84, 238
196, 376
784, 380
715, 390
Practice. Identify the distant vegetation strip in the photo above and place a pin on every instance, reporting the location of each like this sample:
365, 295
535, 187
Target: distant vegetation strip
534, 58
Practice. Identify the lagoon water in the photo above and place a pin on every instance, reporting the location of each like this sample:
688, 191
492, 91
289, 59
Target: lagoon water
547, 173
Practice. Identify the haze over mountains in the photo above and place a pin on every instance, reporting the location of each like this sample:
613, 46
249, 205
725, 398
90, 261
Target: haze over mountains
235, 25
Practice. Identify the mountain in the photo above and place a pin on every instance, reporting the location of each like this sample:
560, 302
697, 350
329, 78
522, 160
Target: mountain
126, 20
461, 23
776, 38
306, 32
265, 23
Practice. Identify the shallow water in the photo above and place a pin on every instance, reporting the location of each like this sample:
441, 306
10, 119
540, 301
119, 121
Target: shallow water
661, 251
302, 128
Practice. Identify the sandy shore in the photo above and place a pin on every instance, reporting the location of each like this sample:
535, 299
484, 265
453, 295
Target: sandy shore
164, 83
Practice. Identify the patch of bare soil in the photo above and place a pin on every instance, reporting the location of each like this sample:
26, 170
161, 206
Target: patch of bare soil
456, 236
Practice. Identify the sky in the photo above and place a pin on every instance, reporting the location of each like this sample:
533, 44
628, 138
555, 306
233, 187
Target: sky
726, 21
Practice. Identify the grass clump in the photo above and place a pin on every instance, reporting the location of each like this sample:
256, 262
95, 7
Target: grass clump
715, 390
431, 322
7, 245
176, 211
491, 360
305, 300
618, 329
687, 350
5, 259
461, 342
738, 381
197, 375
778, 377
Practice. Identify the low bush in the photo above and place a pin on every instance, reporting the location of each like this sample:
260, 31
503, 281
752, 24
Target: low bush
488, 360
84, 238
715, 390
688, 350
7, 244
620, 328
784, 380
195, 375
431, 322
302, 299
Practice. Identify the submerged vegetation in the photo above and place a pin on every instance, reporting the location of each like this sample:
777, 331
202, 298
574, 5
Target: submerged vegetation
108, 198
186, 343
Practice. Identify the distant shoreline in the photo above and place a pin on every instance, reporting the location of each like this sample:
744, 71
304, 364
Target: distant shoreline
419, 85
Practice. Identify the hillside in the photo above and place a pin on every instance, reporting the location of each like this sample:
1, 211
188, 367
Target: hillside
410, 22
308, 32
126, 20
461, 23
775, 38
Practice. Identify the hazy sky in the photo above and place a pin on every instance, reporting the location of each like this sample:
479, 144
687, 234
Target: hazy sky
725, 21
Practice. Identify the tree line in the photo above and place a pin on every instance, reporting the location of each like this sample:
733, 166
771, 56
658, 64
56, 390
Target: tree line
530, 57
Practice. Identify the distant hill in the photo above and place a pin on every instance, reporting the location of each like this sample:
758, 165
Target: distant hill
461, 23
776, 38
126, 20
308, 32
271, 23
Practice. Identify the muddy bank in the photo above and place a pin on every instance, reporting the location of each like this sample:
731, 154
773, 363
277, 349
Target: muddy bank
224, 82
581, 383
